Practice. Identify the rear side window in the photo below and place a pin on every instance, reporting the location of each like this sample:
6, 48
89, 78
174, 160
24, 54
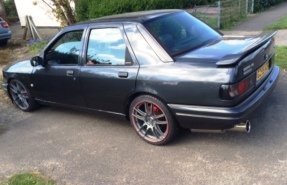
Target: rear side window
106, 47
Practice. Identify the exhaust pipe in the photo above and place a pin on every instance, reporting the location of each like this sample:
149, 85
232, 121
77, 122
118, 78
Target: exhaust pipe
241, 127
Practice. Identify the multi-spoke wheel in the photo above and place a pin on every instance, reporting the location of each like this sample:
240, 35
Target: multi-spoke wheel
152, 120
21, 96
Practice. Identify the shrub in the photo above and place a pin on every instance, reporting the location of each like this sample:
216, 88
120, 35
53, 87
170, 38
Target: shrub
260, 5
10, 8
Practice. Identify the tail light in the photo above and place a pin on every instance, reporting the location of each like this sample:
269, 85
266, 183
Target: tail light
4, 25
232, 91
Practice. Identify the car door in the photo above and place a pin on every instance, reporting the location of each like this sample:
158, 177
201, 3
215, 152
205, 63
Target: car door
58, 81
109, 72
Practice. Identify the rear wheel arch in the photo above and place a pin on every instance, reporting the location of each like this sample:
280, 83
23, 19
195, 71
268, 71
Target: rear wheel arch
133, 96
137, 94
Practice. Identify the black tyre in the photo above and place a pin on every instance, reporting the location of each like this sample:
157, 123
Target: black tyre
21, 97
152, 120
3, 43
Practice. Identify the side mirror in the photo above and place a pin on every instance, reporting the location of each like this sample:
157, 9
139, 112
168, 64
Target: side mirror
35, 61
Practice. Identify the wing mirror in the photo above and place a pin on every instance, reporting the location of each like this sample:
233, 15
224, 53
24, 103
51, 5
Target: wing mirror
35, 61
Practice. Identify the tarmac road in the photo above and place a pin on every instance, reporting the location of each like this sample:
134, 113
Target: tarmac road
75, 147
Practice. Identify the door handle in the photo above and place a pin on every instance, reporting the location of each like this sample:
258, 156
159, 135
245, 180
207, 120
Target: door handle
123, 74
70, 73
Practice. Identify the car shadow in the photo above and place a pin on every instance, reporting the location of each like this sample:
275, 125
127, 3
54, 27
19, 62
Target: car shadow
261, 132
117, 119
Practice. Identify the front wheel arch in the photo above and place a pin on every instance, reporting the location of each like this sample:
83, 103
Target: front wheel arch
30, 99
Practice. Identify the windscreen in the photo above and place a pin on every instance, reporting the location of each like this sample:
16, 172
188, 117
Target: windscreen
181, 32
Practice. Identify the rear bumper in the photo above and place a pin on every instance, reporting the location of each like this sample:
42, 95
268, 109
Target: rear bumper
5, 36
203, 117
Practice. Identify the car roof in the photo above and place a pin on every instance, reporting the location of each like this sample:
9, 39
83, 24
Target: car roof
140, 17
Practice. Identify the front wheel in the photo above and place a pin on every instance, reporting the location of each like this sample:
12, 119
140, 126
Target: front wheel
21, 97
152, 120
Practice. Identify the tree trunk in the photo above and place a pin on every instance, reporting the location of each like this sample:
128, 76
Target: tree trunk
63, 11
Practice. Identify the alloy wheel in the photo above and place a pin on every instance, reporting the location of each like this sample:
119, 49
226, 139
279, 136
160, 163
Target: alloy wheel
150, 121
19, 94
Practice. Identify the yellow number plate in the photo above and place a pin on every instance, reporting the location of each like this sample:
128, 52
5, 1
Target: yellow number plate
262, 70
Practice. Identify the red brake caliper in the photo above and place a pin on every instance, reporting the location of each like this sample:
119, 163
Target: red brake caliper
155, 110
25, 93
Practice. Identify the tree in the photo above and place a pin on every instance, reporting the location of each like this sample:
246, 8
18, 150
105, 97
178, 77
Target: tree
3, 11
63, 10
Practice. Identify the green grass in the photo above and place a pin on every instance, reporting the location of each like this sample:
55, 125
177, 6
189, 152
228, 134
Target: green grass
229, 25
278, 25
211, 21
28, 179
281, 57
36, 47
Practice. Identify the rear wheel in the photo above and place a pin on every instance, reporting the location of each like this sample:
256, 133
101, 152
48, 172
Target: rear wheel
21, 97
152, 120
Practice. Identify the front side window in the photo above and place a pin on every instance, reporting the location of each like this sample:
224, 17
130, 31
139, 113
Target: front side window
106, 47
66, 50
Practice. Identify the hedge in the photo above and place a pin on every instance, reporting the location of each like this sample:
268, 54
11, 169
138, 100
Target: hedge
10, 8
90, 9
260, 5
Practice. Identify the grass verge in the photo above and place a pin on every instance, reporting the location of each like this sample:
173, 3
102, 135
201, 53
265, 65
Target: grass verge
27, 178
229, 25
211, 21
281, 57
278, 25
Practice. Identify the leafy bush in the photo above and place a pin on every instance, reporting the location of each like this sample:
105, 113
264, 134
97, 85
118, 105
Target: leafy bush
86, 9
10, 8
260, 5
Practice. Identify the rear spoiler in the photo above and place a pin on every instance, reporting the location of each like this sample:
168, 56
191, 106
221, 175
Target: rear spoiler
235, 58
